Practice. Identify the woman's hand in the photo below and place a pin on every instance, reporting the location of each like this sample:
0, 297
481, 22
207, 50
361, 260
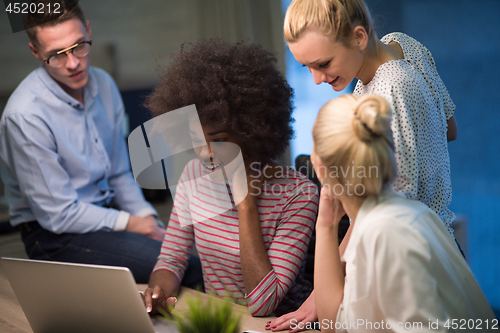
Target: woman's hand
305, 314
155, 298
163, 285
247, 184
330, 209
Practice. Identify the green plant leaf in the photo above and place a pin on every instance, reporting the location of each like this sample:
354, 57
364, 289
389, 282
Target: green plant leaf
207, 317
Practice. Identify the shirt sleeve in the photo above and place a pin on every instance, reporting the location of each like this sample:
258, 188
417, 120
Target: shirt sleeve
44, 182
288, 249
127, 194
179, 238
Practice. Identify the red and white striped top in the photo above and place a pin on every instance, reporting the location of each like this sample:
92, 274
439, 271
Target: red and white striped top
287, 208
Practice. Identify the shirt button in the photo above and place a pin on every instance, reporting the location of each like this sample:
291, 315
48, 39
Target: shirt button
96, 140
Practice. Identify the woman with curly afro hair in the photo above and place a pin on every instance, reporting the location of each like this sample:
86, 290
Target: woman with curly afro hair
253, 253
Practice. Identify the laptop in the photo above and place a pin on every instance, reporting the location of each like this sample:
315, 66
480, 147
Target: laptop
66, 297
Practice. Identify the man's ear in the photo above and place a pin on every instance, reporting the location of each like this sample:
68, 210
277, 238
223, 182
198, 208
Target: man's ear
360, 38
89, 31
35, 52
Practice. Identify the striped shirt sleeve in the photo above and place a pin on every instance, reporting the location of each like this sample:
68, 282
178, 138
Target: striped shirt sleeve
179, 238
287, 250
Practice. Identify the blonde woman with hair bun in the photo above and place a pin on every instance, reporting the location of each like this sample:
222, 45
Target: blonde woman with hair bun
403, 270
337, 42
362, 139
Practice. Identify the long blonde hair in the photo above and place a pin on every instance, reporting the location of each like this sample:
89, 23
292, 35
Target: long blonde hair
334, 18
353, 138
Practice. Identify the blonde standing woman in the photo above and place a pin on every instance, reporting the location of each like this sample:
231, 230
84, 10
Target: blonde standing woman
336, 40
403, 268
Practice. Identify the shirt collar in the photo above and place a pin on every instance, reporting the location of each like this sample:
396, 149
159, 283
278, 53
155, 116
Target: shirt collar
89, 91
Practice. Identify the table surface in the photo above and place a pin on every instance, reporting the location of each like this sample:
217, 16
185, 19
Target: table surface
13, 320
247, 321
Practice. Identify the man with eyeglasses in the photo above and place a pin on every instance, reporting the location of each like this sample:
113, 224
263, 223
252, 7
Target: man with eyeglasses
64, 159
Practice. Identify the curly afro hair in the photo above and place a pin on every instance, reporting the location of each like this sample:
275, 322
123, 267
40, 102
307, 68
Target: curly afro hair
236, 88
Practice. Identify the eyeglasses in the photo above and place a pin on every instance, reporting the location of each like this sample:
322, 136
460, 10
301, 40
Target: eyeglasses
79, 50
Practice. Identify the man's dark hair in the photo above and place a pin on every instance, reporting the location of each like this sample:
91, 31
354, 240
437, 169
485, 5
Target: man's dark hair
69, 9
236, 88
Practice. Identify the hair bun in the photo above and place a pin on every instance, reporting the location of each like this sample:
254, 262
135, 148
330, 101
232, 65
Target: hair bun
372, 117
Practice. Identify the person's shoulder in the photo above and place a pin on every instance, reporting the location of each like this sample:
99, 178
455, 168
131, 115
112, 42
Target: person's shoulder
417, 53
27, 97
390, 78
397, 216
403, 85
398, 206
402, 228
395, 69
397, 37
297, 184
100, 73
101, 77
103, 84
392, 36
290, 175
407, 43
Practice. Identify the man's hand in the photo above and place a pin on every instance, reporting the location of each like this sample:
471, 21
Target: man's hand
307, 313
145, 226
155, 298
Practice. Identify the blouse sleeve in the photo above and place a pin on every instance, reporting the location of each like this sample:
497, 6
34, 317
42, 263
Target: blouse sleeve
288, 249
